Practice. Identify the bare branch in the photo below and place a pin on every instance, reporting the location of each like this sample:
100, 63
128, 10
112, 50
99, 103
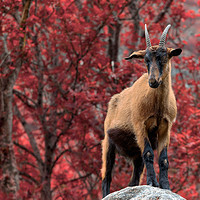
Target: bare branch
27, 150
24, 99
58, 157
163, 11
160, 16
29, 177
32, 141
72, 180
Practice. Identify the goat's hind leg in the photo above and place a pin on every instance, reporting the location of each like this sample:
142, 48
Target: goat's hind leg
138, 169
108, 163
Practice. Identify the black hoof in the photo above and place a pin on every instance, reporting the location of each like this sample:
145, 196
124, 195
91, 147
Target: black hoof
153, 183
164, 185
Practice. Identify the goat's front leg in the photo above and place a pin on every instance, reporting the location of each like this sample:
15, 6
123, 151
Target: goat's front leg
163, 143
163, 165
148, 157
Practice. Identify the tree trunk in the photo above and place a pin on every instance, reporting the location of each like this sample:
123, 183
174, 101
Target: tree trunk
10, 179
9, 182
46, 189
46, 176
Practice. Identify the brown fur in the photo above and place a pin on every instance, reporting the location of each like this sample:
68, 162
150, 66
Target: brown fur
141, 109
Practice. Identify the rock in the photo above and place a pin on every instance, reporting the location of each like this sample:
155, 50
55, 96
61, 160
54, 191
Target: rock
143, 192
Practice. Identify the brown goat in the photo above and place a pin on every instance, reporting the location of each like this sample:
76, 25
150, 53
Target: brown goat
139, 118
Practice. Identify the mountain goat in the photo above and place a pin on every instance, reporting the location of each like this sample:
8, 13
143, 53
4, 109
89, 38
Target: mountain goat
139, 118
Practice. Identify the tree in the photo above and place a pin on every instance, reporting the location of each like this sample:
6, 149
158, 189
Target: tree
10, 68
69, 61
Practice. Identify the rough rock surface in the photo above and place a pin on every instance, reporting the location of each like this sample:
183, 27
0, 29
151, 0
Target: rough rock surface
143, 192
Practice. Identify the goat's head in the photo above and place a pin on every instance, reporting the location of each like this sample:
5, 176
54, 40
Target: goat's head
156, 58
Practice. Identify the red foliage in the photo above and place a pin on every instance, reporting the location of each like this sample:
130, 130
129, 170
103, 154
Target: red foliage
61, 95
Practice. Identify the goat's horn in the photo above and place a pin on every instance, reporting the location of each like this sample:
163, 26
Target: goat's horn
163, 36
148, 42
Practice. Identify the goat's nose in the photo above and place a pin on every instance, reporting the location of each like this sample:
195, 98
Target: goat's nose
152, 81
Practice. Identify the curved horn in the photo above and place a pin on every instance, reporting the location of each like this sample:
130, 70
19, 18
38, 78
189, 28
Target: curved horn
148, 42
163, 36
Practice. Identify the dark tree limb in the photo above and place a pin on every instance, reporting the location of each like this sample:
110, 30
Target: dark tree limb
28, 151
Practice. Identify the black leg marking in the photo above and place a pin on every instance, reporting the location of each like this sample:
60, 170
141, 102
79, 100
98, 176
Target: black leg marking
138, 169
110, 160
153, 138
163, 165
148, 157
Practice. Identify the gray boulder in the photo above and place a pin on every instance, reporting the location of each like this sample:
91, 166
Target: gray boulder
143, 192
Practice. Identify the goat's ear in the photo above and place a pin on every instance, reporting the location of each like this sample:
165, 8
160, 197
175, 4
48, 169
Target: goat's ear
137, 54
175, 52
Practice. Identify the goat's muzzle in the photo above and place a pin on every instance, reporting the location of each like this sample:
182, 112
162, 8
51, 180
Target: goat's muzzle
153, 83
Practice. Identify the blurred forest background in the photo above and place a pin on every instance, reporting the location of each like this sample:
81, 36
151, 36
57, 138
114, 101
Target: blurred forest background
60, 62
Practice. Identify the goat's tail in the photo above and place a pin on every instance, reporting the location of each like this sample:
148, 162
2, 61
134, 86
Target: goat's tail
105, 146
